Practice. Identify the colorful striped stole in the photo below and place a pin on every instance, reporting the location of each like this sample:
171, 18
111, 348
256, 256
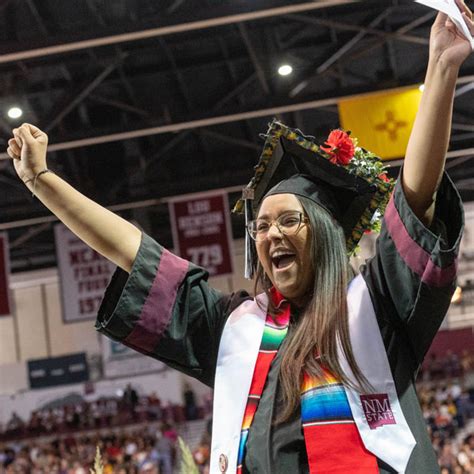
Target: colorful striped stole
273, 334
333, 443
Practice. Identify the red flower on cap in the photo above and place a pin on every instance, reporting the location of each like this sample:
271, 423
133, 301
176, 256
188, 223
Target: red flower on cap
340, 147
384, 177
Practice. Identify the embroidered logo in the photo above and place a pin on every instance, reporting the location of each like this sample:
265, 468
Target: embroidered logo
377, 410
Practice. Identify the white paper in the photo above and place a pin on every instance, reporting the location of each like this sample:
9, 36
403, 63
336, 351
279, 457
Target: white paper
452, 10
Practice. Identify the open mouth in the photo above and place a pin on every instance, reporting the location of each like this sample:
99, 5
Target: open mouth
283, 260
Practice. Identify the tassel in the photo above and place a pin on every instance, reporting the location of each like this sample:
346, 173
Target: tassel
249, 243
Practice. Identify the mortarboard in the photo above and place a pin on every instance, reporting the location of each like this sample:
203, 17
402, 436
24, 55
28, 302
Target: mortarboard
343, 178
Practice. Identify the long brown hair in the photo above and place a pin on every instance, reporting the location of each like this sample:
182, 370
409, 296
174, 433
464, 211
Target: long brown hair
324, 320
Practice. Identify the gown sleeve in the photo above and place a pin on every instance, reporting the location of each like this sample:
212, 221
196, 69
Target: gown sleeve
413, 274
166, 309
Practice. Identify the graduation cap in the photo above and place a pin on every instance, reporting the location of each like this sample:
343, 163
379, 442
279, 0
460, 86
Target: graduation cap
343, 178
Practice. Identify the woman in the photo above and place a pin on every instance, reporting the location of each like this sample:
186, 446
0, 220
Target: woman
162, 305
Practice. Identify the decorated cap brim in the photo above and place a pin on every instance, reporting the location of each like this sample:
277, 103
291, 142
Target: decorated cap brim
292, 163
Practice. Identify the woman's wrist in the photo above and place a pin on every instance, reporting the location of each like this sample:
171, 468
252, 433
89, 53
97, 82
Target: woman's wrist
439, 71
438, 64
29, 175
32, 181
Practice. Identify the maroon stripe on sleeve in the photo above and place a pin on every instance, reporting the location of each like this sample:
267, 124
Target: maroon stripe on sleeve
157, 310
415, 256
437, 276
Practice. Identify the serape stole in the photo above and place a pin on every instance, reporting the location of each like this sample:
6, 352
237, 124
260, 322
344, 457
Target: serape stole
274, 333
333, 443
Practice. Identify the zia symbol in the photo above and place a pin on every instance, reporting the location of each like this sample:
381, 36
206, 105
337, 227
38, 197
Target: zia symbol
391, 125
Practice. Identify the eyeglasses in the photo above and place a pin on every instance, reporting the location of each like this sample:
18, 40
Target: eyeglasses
288, 223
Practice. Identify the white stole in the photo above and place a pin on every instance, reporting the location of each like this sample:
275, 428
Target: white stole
379, 418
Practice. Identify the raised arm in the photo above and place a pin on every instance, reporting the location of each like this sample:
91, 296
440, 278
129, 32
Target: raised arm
110, 235
429, 140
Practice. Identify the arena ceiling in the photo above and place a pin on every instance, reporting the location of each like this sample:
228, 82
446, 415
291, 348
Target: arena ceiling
145, 99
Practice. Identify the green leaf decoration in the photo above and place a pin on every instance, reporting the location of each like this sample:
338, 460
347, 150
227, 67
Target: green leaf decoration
187, 466
98, 464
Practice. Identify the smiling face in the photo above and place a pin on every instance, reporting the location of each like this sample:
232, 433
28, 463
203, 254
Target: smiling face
286, 259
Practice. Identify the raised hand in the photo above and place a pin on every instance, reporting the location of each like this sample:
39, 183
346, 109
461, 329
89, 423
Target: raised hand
109, 234
448, 45
28, 150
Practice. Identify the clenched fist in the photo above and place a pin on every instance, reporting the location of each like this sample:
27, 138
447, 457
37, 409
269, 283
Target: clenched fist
28, 150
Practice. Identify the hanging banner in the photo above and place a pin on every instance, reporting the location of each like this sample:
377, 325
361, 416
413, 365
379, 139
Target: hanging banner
202, 232
83, 275
5, 308
382, 121
121, 361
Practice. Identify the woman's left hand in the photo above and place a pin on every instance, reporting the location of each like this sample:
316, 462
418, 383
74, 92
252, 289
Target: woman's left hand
448, 46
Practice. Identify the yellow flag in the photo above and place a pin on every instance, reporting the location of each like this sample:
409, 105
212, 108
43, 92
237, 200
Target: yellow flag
382, 122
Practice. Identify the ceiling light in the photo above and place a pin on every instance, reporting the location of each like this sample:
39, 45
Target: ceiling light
285, 70
15, 112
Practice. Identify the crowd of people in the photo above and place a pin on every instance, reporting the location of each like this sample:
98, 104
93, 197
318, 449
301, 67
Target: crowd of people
448, 409
447, 402
446, 393
101, 413
35, 447
149, 451
448, 366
